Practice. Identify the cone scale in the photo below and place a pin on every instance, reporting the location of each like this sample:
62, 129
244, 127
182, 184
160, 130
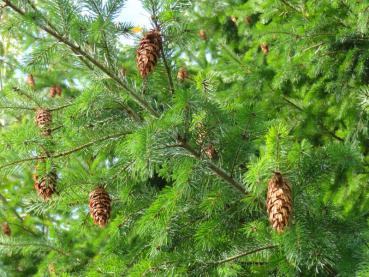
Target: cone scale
279, 202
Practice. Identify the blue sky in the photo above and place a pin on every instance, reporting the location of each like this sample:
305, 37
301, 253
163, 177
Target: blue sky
133, 12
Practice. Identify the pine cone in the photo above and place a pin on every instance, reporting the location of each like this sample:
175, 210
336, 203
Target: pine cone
279, 202
100, 206
58, 90
46, 186
52, 91
43, 120
31, 81
148, 52
182, 74
264, 48
6, 229
202, 35
210, 152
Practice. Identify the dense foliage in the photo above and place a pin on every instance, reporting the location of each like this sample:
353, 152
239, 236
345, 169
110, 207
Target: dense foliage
271, 86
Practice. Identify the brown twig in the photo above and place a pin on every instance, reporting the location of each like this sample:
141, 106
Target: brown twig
245, 254
65, 153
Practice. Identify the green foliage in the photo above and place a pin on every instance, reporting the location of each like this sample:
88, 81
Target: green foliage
300, 108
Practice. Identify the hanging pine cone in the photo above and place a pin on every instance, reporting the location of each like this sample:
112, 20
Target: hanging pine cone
182, 74
52, 91
202, 35
279, 202
6, 229
100, 206
264, 48
43, 120
31, 81
210, 152
58, 90
46, 186
148, 52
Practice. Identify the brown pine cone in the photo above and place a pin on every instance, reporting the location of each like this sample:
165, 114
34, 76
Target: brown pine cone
58, 90
46, 186
210, 152
279, 202
52, 91
100, 206
6, 229
182, 74
43, 120
148, 52
31, 81
264, 48
202, 35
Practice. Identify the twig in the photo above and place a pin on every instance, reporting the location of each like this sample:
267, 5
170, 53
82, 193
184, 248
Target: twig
25, 94
166, 64
34, 244
244, 254
65, 153
17, 108
3, 199
60, 107
217, 170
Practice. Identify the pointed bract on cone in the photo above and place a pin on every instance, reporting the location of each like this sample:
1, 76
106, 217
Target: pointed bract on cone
279, 202
43, 120
46, 186
148, 52
6, 229
100, 206
31, 81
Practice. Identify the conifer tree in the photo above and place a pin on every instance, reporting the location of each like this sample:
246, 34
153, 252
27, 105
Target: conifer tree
230, 140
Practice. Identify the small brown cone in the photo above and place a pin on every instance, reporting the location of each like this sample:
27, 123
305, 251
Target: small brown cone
182, 74
210, 152
43, 120
58, 90
100, 206
279, 202
46, 186
31, 81
264, 48
202, 35
6, 229
52, 91
148, 52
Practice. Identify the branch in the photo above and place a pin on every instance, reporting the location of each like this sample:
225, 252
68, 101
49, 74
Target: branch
60, 107
17, 108
65, 153
3, 199
244, 254
77, 49
166, 65
217, 170
34, 244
